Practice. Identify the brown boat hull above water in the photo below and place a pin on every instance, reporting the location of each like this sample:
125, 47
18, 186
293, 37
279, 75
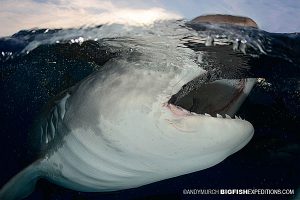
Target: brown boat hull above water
226, 19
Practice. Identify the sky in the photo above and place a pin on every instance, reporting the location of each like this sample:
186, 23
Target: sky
270, 15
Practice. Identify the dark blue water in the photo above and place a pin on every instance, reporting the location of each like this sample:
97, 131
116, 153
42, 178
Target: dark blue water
30, 79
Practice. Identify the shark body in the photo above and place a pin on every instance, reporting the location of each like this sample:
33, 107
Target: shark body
145, 116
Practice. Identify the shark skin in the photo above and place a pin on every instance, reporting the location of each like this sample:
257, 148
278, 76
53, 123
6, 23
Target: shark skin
129, 125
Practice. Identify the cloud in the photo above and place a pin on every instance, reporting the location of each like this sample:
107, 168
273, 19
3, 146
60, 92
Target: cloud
273, 16
25, 14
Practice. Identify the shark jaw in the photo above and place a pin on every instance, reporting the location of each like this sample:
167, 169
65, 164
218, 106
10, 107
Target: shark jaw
209, 109
220, 98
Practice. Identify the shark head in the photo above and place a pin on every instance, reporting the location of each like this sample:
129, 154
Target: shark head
162, 107
150, 115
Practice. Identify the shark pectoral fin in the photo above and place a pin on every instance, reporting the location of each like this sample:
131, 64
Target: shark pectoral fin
22, 184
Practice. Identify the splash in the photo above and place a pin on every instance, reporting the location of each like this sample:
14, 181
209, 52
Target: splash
70, 14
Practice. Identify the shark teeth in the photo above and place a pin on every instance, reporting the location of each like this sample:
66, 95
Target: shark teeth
219, 116
225, 117
177, 110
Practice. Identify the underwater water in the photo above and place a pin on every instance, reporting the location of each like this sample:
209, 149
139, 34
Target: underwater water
38, 64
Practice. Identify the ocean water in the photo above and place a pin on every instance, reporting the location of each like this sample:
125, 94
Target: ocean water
38, 64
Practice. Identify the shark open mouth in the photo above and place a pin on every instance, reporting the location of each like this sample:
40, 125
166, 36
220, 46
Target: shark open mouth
220, 98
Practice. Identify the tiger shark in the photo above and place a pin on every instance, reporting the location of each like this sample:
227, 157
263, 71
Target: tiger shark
140, 119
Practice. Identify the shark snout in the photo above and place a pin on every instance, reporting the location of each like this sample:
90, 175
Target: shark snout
212, 134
